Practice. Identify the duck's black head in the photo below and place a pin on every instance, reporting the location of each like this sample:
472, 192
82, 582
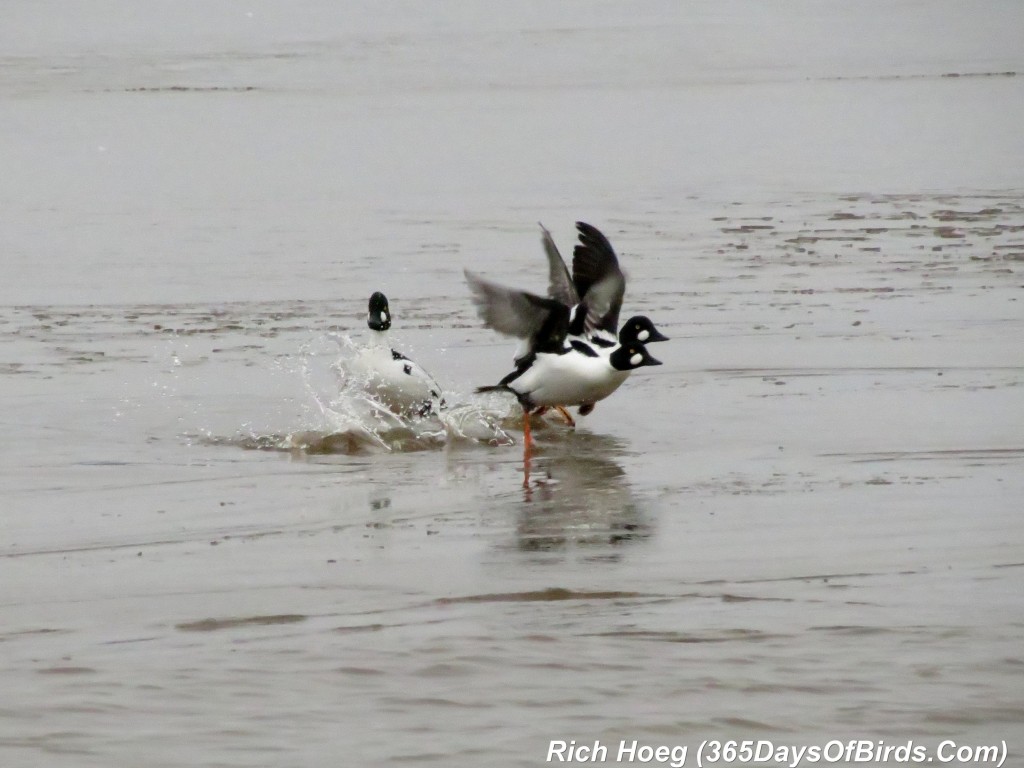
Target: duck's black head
630, 356
639, 330
379, 317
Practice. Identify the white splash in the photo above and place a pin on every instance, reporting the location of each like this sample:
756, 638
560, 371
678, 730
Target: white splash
344, 402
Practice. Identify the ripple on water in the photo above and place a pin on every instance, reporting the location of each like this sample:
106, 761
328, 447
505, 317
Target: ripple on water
211, 625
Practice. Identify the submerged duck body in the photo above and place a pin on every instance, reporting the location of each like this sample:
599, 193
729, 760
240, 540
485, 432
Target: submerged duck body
390, 377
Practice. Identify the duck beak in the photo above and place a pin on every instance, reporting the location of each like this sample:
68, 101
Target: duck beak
656, 335
652, 361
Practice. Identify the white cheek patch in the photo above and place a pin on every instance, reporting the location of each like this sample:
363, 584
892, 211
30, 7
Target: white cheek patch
383, 317
643, 335
636, 359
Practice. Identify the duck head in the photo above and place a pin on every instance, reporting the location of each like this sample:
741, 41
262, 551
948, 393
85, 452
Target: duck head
639, 330
630, 356
379, 316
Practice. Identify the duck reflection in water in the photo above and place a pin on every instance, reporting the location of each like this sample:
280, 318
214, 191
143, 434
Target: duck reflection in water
575, 494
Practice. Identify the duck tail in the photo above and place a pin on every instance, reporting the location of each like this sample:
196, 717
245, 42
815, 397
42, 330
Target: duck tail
492, 388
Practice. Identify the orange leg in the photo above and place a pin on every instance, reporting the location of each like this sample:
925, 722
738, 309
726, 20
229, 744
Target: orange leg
565, 415
527, 448
526, 476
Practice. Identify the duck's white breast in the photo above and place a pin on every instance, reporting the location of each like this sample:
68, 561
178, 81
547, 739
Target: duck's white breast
569, 379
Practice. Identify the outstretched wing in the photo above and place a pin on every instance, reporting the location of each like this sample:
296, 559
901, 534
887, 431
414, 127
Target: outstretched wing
524, 315
560, 285
598, 278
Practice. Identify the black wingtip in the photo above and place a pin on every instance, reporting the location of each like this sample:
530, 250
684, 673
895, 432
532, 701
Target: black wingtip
593, 239
594, 260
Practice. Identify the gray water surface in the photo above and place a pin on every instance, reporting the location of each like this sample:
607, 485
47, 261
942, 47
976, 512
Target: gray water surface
804, 526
